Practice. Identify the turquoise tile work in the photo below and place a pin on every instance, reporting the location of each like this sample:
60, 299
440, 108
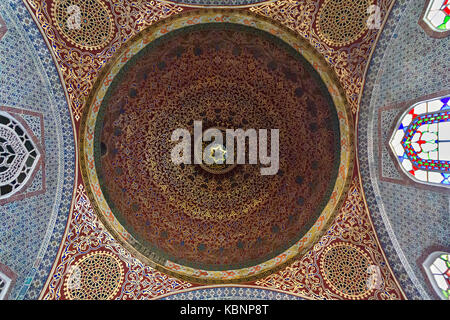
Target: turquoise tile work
218, 2
407, 64
31, 229
231, 293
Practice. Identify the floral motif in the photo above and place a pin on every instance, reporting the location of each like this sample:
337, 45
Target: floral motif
348, 61
87, 234
88, 146
352, 227
79, 67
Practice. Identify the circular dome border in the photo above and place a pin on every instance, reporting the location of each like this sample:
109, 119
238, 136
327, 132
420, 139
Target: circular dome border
218, 3
138, 42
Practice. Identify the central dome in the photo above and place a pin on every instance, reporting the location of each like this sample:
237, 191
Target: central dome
227, 76
216, 216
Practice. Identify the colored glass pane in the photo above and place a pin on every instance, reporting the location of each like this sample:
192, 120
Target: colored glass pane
437, 15
437, 267
421, 141
5, 282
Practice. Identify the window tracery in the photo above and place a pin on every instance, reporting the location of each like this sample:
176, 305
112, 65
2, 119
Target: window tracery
5, 283
435, 19
18, 156
421, 142
437, 268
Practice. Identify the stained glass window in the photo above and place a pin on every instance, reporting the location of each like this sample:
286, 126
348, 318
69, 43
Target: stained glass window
437, 15
5, 282
18, 155
421, 142
437, 267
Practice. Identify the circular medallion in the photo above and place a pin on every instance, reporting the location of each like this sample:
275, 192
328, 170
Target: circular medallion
96, 276
341, 22
86, 24
204, 221
345, 269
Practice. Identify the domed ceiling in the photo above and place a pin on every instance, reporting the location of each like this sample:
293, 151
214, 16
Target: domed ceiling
226, 75
231, 77
114, 217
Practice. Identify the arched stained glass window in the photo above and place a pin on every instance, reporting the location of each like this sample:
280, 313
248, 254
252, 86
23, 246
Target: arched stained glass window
5, 282
437, 268
18, 156
436, 17
421, 142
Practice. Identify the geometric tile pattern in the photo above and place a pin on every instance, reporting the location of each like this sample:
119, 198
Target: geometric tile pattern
406, 67
231, 293
219, 3
352, 224
95, 31
96, 276
32, 225
387, 169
